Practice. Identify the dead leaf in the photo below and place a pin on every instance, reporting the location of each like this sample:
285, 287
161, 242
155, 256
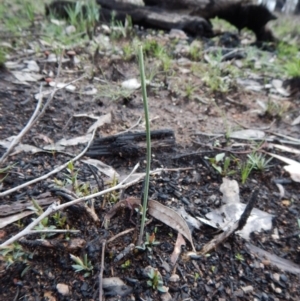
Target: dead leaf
171, 218
177, 249
248, 134
281, 263
293, 168
101, 120
102, 167
13, 218
296, 121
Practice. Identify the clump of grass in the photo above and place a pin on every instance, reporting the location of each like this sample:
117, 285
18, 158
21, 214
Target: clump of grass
259, 161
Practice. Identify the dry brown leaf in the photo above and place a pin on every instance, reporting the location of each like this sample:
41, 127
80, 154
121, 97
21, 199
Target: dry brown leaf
177, 249
171, 218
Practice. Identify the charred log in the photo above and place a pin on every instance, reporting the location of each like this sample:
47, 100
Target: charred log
167, 15
240, 13
131, 144
157, 18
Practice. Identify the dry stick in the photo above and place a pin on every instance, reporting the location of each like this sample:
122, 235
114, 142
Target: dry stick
56, 170
238, 225
52, 231
28, 126
34, 117
120, 234
101, 272
55, 206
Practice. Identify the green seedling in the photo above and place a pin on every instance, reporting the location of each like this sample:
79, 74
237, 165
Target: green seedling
149, 243
71, 178
215, 162
75, 14
126, 264
189, 90
44, 224
59, 220
156, 281
5, 170
239, 257
112, 197
14, 253
259, 162
91, 18
246, 169
30, 12
82, 265
197, 276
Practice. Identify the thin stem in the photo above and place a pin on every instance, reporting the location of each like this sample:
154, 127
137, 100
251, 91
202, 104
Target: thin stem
148, 139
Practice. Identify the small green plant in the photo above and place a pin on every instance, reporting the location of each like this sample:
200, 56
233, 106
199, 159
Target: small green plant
197, 276
215, 162
82, 265
71, 178
156, 281
149, 243
128, 52
275, 109
30, 12
259, 161
246, 169
5, 170
239, 257
293, 67
75, 14
189, 90
59, 220
126, 264
2, 56
44, 224
14, 253
195, 52
91, 18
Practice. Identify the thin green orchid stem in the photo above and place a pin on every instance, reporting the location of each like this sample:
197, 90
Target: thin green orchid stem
148, 139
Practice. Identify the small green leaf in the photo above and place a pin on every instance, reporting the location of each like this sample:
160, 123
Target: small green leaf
162, 289
219, 157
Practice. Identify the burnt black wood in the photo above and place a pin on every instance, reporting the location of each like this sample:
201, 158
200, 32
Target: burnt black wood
131, 144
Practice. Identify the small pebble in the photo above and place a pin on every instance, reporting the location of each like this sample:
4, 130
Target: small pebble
276, 277
283, 278
174, 278
247, 289
63, 289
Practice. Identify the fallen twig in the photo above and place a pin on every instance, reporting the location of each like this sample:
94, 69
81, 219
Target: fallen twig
55, 206
56, 170
28, 126
34, 117
101, 271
